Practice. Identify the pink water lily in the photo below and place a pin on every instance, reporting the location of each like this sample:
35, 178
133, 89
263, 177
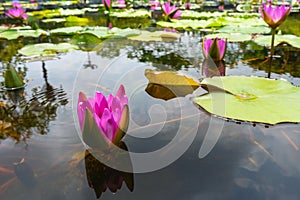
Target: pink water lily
214, 48
108, 113
122, 3
171, 12
16, 12
154, 5
274, 16
107, 4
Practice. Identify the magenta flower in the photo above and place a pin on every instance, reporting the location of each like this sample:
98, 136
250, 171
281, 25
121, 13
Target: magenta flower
214, 48
107, 4
16, 12
110, 114
187, 6
171, 12
122, 3
154, 5
274, 16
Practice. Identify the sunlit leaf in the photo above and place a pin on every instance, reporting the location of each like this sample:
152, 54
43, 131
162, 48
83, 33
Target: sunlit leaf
189, 14
231, 37
46, 49
254, 99
11, 34
54, 20
265, 40
244, 29
131, 14
169, 84
156, 36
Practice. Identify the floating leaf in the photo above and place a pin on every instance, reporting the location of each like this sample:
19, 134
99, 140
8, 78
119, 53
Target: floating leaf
169, 84
189, 14
12, 34
244, 29
54, 20
231, 37
46, 49
131, 14
192, 24
265, 40
252, 99
156, 36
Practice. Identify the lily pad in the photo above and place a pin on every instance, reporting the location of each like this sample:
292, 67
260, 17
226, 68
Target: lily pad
193, 24
189, 14
231, 37
46, 49
265, 40
15, 34
169, 84
131, 14
156, 36
244, 29
54, 20
253, 99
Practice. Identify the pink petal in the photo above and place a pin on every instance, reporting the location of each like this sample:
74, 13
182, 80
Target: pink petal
222, 47
206, 46
177, 14
82, 105
108, 125
100, 103
122, 95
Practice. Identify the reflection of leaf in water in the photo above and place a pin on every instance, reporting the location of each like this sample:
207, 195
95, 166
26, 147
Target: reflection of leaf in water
252, 99
169, 84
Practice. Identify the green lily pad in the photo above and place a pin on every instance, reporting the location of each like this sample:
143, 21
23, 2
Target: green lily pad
11, 34
265, 40
131, 14
54, 20
231, 37
189, 14
99, 31
46, 49
67, 30
192, 24
253, 99
244, 29
156, 36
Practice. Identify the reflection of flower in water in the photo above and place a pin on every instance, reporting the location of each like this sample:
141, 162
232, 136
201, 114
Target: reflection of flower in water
212, 68
101, 177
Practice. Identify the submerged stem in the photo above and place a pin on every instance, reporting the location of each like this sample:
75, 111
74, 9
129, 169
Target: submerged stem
273, 31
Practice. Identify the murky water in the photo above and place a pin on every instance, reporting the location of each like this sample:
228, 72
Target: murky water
248, 161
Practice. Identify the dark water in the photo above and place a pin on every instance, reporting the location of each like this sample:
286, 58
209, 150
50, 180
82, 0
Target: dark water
248, 161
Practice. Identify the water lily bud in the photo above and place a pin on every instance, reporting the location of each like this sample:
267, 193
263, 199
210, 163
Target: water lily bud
214, 48
107, 4
111, 114
274, 16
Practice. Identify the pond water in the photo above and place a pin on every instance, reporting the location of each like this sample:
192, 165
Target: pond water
248, 161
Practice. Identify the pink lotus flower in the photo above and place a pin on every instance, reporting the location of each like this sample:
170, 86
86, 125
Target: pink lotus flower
171, 11
17, 12
107, 4
154, 5
110, 114
274, 16
214, 48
